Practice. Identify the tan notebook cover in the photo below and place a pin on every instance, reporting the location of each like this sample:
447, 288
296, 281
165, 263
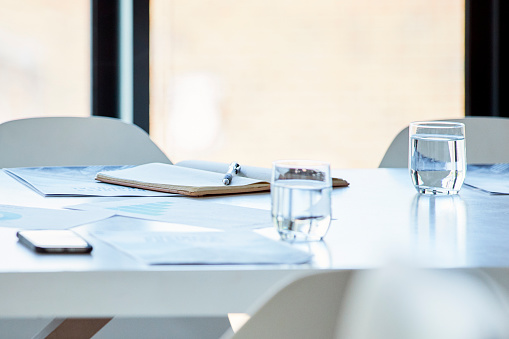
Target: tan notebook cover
193, 178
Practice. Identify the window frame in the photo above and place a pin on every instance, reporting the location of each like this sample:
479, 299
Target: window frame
486, 70
105, 60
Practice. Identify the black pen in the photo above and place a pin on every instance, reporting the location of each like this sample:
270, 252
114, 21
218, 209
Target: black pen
234, 168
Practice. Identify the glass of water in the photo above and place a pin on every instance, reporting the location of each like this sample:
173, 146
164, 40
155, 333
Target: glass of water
301, 199
437, 156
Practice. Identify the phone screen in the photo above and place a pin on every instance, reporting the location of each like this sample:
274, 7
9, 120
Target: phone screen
54, 241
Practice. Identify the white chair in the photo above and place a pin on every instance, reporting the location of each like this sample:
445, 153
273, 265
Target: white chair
75, 141
486, 142
83, 141
70, 141
391, 302
305, 308
401, 303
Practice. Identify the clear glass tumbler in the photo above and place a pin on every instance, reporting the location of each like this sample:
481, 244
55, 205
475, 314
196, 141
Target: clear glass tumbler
437, 156
301, 199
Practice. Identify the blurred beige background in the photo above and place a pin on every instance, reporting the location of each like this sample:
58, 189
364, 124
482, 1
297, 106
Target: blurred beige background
260, 80
254, 80
44, 58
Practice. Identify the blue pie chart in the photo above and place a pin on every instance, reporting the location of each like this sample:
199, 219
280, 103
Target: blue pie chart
4, 216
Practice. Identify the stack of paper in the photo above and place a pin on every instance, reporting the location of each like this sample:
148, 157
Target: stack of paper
160, 248
73, 181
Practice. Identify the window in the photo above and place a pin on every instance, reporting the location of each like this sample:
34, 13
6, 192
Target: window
44, 58
259, 80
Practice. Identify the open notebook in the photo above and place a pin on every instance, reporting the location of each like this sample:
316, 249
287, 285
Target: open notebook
193, 178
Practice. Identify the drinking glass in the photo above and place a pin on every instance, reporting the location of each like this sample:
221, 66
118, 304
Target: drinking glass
437, 156
301, 199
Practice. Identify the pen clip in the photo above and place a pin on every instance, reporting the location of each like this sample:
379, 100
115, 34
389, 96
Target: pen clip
234, 168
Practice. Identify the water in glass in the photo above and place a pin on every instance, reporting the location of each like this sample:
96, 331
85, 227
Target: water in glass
301, 209
437, 163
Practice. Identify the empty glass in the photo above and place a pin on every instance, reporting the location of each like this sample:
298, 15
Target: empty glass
301, 199
437, 156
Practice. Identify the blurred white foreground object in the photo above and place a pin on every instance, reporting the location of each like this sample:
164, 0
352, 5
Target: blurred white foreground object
423, 304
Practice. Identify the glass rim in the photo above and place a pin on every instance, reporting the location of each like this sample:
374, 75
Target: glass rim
437, 124
300, 163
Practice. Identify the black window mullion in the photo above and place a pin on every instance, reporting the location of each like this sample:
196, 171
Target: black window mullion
503, 48
486, 75
141, 85
105, 53
106, 60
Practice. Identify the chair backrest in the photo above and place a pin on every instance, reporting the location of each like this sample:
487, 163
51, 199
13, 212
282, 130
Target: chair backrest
404, 302
305, 308
391, 302
486, 141
75, 141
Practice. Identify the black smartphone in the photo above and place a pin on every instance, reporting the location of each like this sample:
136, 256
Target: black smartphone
54, 241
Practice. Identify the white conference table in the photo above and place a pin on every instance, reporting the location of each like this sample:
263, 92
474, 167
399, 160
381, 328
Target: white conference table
379, 219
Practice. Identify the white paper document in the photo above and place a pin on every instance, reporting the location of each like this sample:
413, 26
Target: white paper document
74, 181
172, 175
186, 211
43, 218
258, 173
493, 179
217, 248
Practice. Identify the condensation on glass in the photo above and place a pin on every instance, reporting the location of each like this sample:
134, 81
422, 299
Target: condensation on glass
254, 81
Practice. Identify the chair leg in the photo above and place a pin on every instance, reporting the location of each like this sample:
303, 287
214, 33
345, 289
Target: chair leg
72, 328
